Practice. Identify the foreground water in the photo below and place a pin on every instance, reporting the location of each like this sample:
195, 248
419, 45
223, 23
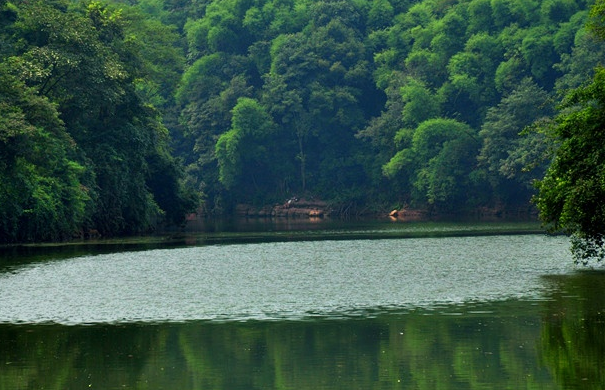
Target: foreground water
420, 306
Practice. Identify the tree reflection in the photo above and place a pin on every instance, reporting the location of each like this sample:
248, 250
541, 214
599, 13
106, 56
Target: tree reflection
484, 348
60, 357
573, 330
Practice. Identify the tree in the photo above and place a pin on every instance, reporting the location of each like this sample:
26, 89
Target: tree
420, 103
244, 152
159, 58
85, 60
508, 156
380, 14
558, 10
572, 191
538, 52
42, 192
315, 91
439, 163
480, 16
471, 73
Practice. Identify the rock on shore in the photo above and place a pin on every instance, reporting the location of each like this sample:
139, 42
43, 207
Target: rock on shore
293, 208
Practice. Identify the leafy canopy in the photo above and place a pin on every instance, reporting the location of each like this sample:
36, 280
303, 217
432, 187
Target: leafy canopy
572, 191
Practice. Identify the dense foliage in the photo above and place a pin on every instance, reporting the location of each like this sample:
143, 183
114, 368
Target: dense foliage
571, 193
367, 104
375, 103
82, 152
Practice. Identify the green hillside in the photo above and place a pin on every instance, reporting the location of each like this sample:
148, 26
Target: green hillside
115, 116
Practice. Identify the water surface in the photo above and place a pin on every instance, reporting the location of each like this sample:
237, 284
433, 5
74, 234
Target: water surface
280, 280
376, 306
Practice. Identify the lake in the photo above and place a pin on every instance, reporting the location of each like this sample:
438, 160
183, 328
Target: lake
304, 305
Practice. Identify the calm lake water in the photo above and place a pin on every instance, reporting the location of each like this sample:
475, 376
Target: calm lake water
325, 306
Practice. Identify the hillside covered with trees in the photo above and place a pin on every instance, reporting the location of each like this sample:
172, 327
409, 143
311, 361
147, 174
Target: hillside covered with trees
118, 114
373, 103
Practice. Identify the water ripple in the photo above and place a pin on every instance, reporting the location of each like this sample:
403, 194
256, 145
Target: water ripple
288, 280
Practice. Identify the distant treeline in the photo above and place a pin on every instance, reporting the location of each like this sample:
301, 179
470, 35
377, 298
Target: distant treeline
116, 115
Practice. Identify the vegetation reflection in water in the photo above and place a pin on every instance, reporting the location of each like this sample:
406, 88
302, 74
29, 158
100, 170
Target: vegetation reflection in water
504, 345
543, 330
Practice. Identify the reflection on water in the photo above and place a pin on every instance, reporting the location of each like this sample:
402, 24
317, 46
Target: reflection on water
209, 231
573, 330
204, 232
439, 312
502, 345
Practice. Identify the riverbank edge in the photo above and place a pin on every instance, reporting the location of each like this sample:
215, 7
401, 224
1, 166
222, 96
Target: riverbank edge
300, 208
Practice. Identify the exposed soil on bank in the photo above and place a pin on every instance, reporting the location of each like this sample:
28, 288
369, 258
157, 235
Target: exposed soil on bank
315, 208
294, 207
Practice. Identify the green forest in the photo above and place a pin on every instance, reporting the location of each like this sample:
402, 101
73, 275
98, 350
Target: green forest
116, 116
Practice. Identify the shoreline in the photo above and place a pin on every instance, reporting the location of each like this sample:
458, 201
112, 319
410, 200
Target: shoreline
302, 208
